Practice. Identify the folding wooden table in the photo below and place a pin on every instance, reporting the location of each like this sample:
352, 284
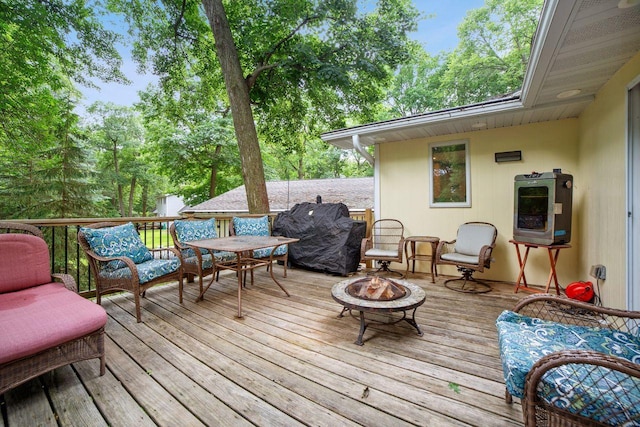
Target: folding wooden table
552, 250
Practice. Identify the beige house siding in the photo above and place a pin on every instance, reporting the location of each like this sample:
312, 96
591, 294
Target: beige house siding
602, 158
404, 190
592, 148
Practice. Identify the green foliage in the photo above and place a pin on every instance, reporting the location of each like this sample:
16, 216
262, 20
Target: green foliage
118, 137
417, 86
195, 150
493, 53
489, 61
310, 65
44, 48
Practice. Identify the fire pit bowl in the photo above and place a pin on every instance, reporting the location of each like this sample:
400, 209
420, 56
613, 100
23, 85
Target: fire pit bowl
378, 295
377, 289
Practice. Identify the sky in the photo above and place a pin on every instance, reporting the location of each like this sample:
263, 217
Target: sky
437, 33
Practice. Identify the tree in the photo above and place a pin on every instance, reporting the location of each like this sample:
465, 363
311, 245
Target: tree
118, 136
417, 86
284, 55
45, 48
492, 56
194, 149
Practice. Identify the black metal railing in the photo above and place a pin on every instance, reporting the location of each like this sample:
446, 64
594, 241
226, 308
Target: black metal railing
67, 257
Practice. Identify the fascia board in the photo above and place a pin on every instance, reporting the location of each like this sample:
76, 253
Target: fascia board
552, 29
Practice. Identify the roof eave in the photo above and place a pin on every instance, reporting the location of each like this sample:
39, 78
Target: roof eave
436, 117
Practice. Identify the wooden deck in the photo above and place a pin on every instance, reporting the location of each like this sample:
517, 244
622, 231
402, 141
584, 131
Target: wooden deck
289, 361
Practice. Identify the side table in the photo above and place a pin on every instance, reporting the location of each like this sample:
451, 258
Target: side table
552, 250
410, 242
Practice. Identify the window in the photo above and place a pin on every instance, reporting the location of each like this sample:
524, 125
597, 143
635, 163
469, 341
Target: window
450, 174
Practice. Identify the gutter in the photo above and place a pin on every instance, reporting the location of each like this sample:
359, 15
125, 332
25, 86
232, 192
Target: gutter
355, 140
468, 111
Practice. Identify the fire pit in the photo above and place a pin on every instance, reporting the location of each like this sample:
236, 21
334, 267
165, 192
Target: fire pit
376, 294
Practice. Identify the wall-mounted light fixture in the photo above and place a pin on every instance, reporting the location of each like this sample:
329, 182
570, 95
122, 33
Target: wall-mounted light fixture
508, 156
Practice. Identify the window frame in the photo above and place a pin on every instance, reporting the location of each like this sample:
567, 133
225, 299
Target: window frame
467, 202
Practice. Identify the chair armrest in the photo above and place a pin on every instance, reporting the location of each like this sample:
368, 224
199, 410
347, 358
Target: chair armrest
609, 387
67, 280
444, 247
98, 261
564, 310
401, 248
365, 245
484, 258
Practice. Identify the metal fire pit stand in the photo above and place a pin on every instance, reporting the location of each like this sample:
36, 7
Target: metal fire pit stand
414, 298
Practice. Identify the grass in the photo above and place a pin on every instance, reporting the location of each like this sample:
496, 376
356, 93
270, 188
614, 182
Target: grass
156, 238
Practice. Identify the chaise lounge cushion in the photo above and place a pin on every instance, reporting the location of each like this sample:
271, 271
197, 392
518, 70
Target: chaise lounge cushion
23, 246
524, 340
41, 317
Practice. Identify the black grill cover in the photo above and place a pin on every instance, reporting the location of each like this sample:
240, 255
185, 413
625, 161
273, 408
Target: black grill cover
329, 238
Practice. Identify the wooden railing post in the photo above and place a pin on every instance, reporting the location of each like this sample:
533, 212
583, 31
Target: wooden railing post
368, 217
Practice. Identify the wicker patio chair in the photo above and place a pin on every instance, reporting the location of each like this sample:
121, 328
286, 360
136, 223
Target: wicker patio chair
251, 226
128, 266
196, 261
469, 252
40, 333
384, 245
579, 386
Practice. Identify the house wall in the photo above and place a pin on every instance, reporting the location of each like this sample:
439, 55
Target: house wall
168, 205
404, 192
602, 159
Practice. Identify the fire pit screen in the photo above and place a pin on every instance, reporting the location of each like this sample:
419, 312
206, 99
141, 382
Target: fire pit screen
376, 288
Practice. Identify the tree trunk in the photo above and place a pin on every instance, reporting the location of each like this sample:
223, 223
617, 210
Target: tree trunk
238, 92
116, 169
145, 199
213, 182
132, 192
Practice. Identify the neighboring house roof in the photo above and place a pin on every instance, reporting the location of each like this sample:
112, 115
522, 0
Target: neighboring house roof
356, 193
579, 44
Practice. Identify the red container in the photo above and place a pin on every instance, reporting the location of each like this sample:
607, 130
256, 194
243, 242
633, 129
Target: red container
581, 291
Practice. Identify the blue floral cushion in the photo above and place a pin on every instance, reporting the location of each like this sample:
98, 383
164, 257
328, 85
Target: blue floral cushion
266, 252
147, 270
121, 240
187, 231
524, 340
220, 256
256, 227
251, 226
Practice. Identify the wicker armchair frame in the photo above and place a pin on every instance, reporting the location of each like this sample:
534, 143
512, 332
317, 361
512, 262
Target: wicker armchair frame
467, 269
387, 235
130, 284
189, 269
90, 346
283, 258
538, 412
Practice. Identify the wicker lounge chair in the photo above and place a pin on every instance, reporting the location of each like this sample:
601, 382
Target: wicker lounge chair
120, 261
469, 252
196, 261
384, 245
44, 324
251, 226
571, 363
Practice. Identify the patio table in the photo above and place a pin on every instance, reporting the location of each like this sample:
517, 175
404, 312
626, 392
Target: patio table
243, 247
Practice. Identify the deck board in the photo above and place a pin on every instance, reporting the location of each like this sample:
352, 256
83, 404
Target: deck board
289, 361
